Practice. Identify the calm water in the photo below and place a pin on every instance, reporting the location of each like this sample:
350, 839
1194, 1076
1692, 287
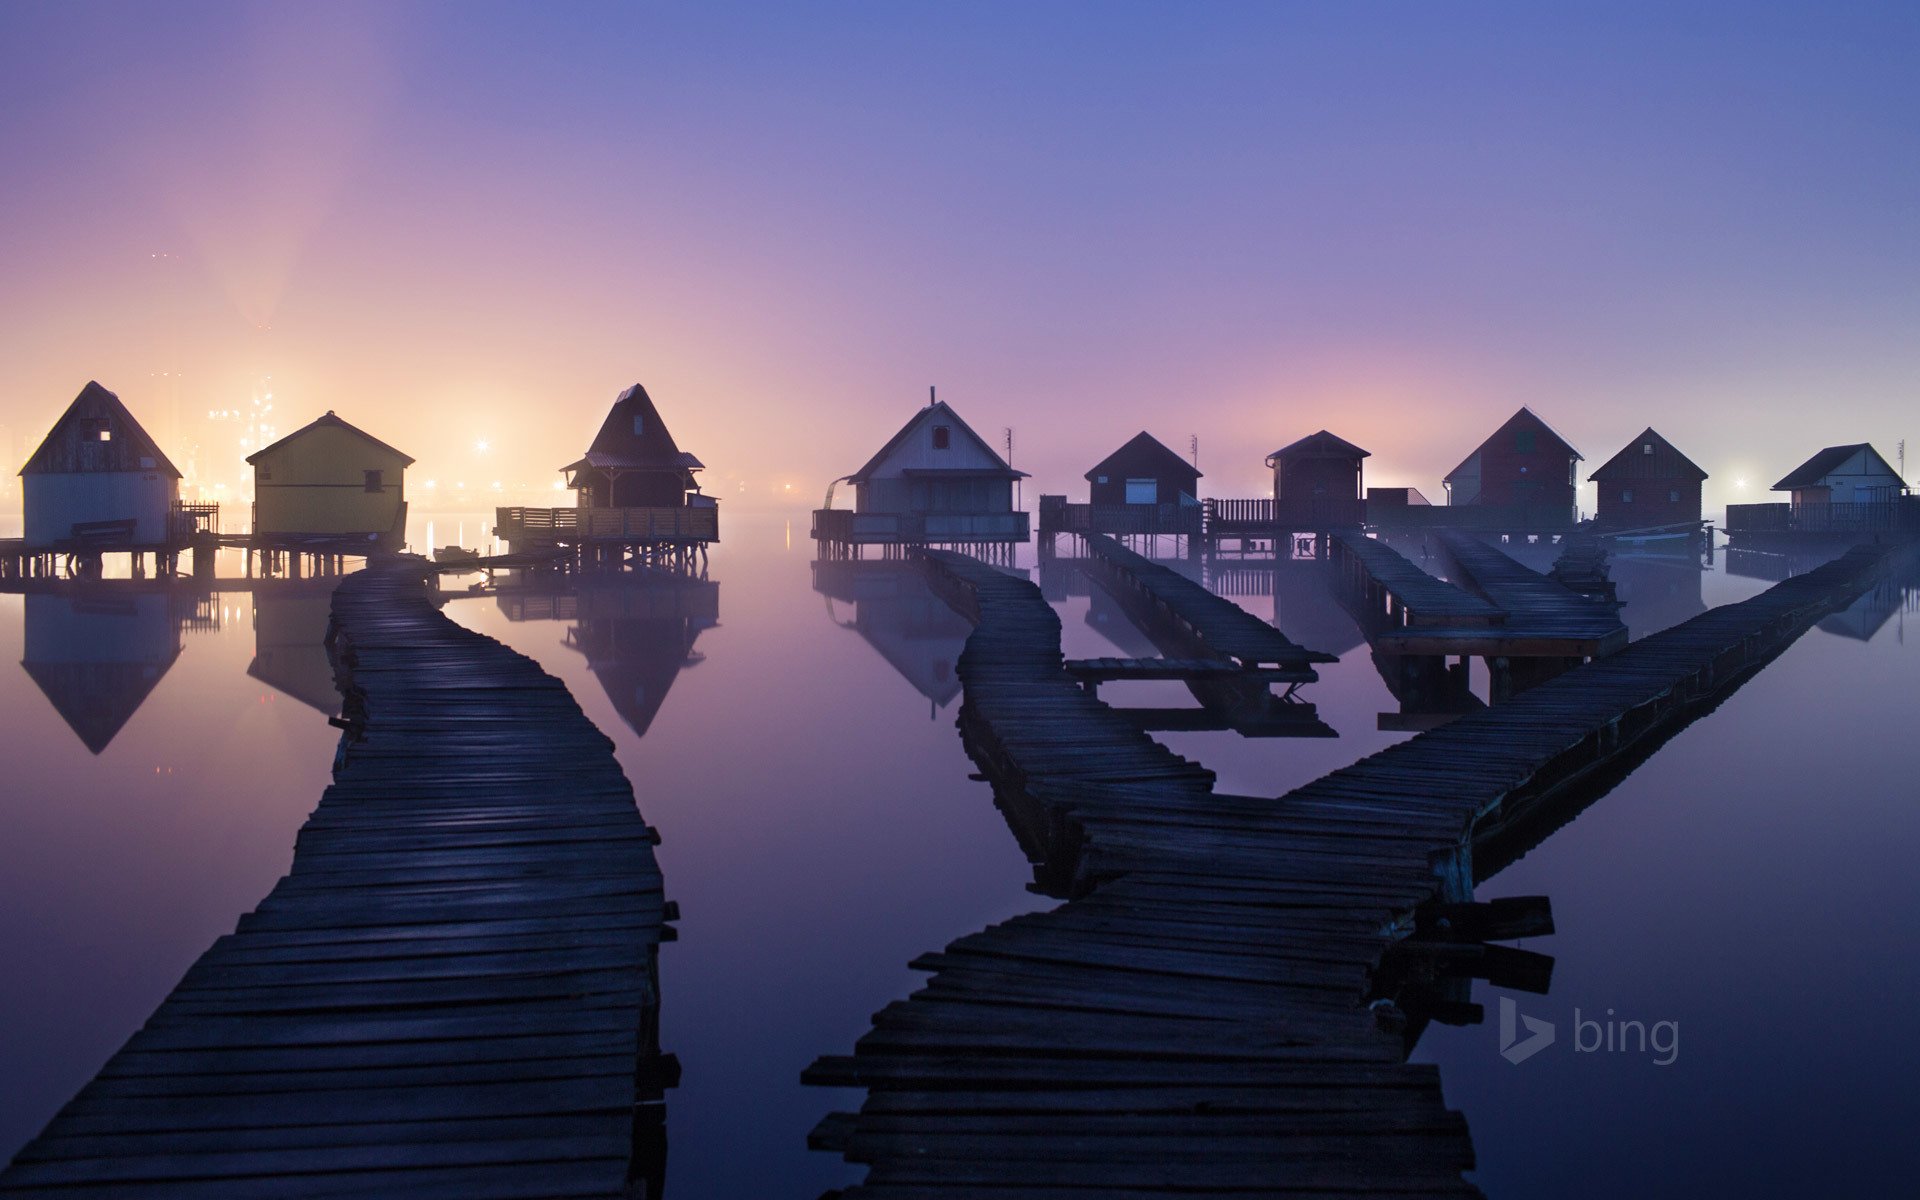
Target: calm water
789, 729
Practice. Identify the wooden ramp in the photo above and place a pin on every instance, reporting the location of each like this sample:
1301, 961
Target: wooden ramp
1405, 594
1543, 610
454, 991
1225, 1004
1213, 626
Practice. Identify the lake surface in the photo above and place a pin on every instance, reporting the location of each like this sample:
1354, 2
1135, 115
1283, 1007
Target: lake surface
788, 726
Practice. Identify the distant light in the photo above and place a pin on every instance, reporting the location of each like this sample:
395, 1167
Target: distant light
558, 486
430, 485
1740, 483
480, 447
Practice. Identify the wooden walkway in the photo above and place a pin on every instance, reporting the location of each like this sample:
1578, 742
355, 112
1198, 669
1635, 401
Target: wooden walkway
454, 991
1544, 609
1214, 627
1225, 1004
1407, 595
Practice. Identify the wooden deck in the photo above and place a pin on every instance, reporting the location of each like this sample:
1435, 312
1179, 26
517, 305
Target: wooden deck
1225, 1004
1407, 595
452, 993
1215, 627
1532, 600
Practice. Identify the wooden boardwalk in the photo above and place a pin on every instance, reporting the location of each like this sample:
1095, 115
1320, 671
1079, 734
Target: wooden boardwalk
1224, 1005
1404, 594
1544, 609
453, 993
1210, 625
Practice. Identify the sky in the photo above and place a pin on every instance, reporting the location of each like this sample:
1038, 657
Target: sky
458, 224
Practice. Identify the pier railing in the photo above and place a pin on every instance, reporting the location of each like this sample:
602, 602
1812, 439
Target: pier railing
874, 529
1884, 516
661, 523
1059, 516
1262, 517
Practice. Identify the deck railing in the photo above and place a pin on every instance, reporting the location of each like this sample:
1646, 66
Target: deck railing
874, 529
1059, 516
1885, 516
1261, 517
662, 523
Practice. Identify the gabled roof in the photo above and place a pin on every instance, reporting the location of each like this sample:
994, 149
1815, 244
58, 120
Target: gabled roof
1628, 463
1826, 463
1524, 416
937, 409
618, 447
1143, 444
97, 699
1319, 445
329, 421
129, 445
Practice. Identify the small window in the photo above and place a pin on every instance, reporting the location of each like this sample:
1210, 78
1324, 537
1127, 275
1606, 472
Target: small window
263, 471
1646, 447
1523, 441
1099, 478
942, 437
639, 424
146, 463
1626, 496
106, 435
1673, 497
373, 481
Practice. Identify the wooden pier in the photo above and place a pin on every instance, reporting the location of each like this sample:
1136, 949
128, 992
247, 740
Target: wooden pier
1225, 1004
454, 990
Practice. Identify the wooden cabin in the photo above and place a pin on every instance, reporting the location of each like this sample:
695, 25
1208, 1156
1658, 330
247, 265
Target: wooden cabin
329, 479
935, 482
1525, 468
634, 461
1647, 485
1853, 474
1317, 482
98, 480
1144, 471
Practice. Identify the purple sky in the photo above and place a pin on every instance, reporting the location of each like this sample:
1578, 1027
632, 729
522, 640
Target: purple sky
455, 223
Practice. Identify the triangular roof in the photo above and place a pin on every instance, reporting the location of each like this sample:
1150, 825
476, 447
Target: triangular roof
1825, 463
1626, 464
97, 699
329, 420
617, 446
1524, 416
130, 442
1143, 443
1319, 445
938, 409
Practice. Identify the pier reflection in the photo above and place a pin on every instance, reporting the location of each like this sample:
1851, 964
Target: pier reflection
895, 612
98, 652
1657, 591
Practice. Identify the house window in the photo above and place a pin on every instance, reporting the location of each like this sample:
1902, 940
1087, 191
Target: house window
1673, 496
1143, 491
263, 471
1626, 496
1523, 441
639, 424
1646, 447
1099, 478
942, 437
373, 481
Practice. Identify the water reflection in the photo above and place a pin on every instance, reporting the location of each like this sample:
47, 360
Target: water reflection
97, 652
896, 613
289, 644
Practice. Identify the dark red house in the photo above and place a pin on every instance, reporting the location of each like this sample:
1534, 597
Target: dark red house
634, 462
1143, 471
1648, 484
1317, 482
1525, 466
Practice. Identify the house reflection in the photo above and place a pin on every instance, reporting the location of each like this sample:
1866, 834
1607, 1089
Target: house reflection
289, 644
894, 610
637, 633
97, 653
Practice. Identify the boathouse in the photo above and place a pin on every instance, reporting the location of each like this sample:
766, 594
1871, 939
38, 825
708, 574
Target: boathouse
329, 479
1853, 474
935, 482
635, 496
1317, 483
99, 480
1525, 470
1649, 484
1144, 471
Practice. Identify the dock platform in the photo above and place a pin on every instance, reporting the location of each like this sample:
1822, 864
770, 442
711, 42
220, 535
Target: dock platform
453, 993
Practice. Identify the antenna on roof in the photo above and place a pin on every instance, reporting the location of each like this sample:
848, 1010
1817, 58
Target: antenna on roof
1193, 448
929, 395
